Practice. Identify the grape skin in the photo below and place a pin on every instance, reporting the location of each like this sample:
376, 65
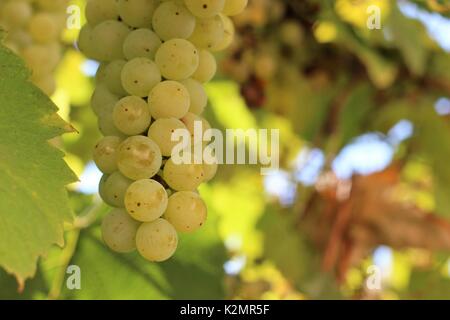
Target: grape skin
157, 240
161, 132
146, 200
119, 231
177, 59
183, 177
139, 76
131, 115
105, 154
186, 211
169, 99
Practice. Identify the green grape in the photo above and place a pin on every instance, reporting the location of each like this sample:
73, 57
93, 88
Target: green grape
161, 132
197, 93
234, 7
41, 59
208, 33
101, 187
207, 67
139, 157
43, 28
16, 13
169, 99
131, 115
51, 5
210, 170
103, 101
112, 80
157, 240
205, 8
186, 211
137, 13
146, 200
177, 59
107, 40
106, 125
85, 42
119, 231
141, 43
228, 34
98, 11
190, 119
139, 76
172, 20
183, 177
105, 154
114, 188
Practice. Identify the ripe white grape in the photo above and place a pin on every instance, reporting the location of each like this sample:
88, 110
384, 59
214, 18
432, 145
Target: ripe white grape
209, 171
139, 76
43, 28
228, 37
183, 177
156, 240
191, 119
16, 13
234, 7
114, 188
105, 154
41, 59
186, 211
107, 40
172, 20
119, 231
197, 93
161, 132
139, 157
169, 99
103, 101
141, 43
208, 33
146, 200
131, 115
86, 42
207, 67
98, 11
137, 13
112, 77
106, 125
177, 59
205, 8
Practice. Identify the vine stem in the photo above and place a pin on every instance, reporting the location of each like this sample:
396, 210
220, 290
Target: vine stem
73, 234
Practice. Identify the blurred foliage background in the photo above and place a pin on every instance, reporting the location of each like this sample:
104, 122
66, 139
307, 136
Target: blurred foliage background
364, 179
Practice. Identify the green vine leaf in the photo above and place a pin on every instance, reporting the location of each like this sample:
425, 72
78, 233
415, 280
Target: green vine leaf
33, 199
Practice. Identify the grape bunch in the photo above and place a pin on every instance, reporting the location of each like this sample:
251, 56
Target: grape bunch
33, 30
154, 58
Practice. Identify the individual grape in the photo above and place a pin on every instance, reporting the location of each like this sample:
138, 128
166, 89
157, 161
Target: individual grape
234, 7
177, 59
106, 125
103, 101
139, 76
51, 5
112, 77
191, 119
98, 11
105, 154
172, 20
183, 177
208, 33
139, 157
186, 211
86, 42
107, 40
131, 115
157, 240
146, 200
207, 67
114, 188
41, 59
16, 13
210, 171
161, 132
197, 93
205, 8
228, 37
43, 28
169, 99
137, 13
119, 231
141, 43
